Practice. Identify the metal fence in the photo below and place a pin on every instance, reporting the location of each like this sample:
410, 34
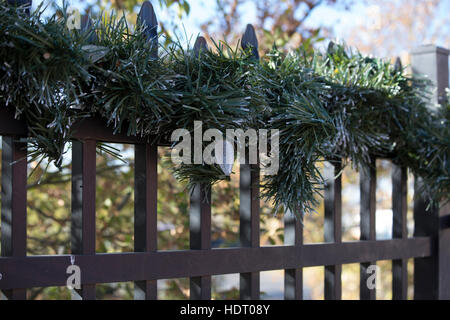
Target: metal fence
430, 246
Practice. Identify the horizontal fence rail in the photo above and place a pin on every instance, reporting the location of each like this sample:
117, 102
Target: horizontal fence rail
429, 247
119, 267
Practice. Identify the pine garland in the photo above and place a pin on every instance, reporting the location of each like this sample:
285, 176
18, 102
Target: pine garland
327, 106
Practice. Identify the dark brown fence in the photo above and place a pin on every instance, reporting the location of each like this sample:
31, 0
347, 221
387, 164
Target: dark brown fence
430, 246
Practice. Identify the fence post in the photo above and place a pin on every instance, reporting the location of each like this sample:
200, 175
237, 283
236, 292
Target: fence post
431, 275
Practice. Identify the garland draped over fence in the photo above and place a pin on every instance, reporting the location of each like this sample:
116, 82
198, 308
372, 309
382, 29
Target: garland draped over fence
333, 105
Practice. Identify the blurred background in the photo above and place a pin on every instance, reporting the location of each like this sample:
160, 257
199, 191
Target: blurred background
381, 27
378, 27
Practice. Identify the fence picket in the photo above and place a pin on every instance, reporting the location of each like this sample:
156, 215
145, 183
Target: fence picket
200, 44
399, 230
83, 207
249, 197
87, 27
249, 225
249, 40
147, 19
145, 211
368, 184
293, 278
200, 236
333, 226
200, 218
146, 178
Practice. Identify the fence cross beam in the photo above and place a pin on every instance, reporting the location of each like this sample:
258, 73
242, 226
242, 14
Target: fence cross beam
200, 215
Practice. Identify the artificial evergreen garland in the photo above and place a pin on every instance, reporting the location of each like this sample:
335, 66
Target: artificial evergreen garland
335, 105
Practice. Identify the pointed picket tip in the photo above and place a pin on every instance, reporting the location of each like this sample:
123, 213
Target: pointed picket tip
249, 40
87, 26
200, 44
398, 64
147, 18
330, 47
86, 23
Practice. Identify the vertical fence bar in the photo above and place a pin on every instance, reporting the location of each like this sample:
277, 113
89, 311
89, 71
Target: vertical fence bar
426, 224
200, 217
399, 231
83, 207
146, 176
368, 184
14, 205
293, 236
145, 211
249, 198
200, 236
399, 227
333, 226
14, 194
249, 225
431, 275
148, 21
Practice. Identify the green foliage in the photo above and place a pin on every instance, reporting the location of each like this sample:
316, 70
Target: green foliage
343, 105
333, 105
398, 121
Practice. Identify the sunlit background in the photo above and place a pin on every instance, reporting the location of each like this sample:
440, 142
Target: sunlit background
381, 27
